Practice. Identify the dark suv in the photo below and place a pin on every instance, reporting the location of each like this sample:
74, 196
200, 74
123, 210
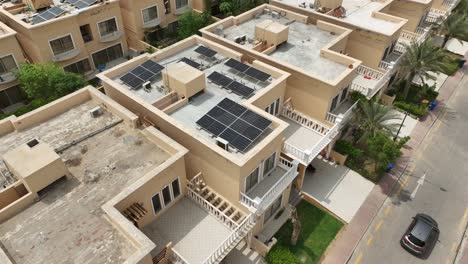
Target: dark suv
421, 236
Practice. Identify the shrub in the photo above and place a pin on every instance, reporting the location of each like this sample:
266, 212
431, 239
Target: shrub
355, 95
416, 110
383, 150
281, 255
346, 148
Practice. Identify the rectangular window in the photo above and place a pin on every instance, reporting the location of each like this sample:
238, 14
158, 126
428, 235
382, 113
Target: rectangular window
106, 55
7, 64
166, 195
251, 180
272, 209
80, 67
12, 95
175, 188
107, 27
334, 103
167, 7
181, 3
273, 108
344, 94
62, 45
269, 164
157, 206
86, 33
149, 14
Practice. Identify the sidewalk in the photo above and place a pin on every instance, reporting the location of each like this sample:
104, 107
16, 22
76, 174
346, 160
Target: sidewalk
343, 246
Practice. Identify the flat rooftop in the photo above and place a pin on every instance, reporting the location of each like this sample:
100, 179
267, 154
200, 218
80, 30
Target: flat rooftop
194, 233
60, 8
203, 102
67, 225
302, 48
358, 13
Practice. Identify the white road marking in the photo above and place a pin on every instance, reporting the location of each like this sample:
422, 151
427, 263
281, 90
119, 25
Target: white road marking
420, 183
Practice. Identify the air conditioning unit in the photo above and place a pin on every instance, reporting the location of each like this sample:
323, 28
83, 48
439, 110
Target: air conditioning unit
222, 143
147, 86
238, 40
96, 111
275, 14
243, 38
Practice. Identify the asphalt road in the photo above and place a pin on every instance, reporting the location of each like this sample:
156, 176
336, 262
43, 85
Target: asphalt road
441, 167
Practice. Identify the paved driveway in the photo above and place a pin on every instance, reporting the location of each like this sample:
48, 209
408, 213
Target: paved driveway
337, 188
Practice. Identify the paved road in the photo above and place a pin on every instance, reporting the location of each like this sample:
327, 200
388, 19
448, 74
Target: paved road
441, 165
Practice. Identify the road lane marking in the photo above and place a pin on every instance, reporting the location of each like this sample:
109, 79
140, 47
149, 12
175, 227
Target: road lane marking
466, 213
379, 224
405, 180
369, 241
420, 182
387, 211
358, 259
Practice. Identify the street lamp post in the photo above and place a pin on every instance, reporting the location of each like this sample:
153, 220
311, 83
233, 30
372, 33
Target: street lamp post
401, 125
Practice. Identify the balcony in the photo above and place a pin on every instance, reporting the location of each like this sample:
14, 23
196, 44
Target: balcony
368, 81
271, 187
343, 113
8, 77
112, 36
66, 55
153, 23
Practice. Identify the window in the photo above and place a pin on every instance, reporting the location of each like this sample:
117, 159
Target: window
385, 53
7, 64
166, 192
269, 164
157, 206
344, 94
180, 3
334, 103
107, 27
251, 180
175, 188
272, 209
86, 33
79, 67
107, 55
62, 45
149, 14
12, 95
274, 107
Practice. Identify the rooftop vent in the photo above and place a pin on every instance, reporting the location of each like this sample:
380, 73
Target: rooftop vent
32, 143
95, 112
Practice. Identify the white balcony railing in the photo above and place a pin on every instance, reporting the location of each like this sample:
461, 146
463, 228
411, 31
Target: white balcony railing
231, 241
343, 118
374, 74
8, 77
305, 121
211, 209
262, 203
111, 36
177, 257
66, 55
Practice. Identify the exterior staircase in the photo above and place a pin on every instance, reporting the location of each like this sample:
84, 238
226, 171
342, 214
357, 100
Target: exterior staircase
215, 204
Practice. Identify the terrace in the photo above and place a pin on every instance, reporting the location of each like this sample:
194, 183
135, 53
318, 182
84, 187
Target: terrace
55, 9
105, 156
301, 48
186, 93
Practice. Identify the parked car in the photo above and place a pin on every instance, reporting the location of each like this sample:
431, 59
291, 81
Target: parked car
421, 236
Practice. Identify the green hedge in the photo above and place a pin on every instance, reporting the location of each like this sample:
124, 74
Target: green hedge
416, 110
281, 255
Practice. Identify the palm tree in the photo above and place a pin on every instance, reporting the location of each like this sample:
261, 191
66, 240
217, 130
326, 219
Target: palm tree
462, 7
373, 117
296, 227
419, 60
455, 26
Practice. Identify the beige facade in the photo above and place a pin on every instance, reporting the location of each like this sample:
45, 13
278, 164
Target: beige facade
11, 56
80, 40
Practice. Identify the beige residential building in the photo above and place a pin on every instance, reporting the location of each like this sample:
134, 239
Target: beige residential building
152, 20
11, 56
80, 36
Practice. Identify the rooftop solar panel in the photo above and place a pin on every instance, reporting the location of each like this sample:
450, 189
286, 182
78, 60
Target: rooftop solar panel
131, 80
191, 63
37, 19
89, 2
233, 123
205, 51
47, 15
142, 73
240, 89
57, 11
80, 4
231, 63
257, 74
214, 76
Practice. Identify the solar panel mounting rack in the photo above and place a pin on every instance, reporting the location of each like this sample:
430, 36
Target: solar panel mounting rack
141, 74
205, 51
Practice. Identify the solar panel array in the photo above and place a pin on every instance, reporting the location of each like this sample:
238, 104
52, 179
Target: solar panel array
234, 123
205, 51
190, 62
142, 73
246, 69
231, 84
48, 15
81, 3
